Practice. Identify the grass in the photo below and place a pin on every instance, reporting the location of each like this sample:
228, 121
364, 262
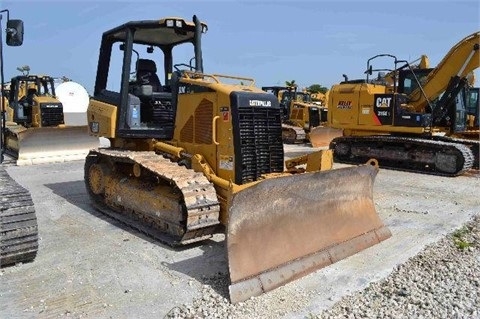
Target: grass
459, 237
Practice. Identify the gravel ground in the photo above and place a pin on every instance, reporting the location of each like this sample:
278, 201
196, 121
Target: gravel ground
443, 281
90, 266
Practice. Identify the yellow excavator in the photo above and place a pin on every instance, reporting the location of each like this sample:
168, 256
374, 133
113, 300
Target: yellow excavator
323, 135
202, 153
35, 130
414, 120
301, 115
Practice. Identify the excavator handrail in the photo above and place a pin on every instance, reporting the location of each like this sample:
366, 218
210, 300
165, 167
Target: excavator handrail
459, 61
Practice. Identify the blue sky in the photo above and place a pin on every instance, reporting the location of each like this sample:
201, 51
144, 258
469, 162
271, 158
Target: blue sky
270, 41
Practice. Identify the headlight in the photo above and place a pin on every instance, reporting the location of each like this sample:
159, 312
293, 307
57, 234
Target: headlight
169, 23
94, 127
178, 23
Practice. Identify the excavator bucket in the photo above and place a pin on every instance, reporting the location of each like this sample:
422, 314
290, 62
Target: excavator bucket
53, 144
284, 228
321, 136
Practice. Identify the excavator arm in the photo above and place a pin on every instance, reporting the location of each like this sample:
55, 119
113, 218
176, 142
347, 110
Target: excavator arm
461, 60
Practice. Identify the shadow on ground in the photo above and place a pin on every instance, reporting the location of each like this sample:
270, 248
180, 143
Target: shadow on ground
200, 267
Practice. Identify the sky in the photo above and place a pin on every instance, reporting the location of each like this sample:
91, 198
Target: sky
311, 42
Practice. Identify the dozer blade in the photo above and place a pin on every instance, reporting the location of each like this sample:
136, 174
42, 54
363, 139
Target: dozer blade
284, 228
54, 144
321, 136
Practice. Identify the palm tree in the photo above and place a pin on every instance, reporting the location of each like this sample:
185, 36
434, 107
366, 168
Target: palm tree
291, 83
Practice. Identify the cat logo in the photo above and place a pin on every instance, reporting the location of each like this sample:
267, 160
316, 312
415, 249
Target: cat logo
383, 102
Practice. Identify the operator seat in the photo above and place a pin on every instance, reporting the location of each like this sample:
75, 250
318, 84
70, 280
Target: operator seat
147, 74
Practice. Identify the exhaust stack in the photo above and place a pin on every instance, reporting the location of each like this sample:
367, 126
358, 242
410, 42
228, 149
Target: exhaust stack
198, 44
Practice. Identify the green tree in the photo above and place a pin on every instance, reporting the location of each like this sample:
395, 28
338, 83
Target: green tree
317, 88
291, 83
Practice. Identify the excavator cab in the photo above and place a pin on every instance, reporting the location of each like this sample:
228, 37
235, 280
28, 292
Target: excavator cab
473, 107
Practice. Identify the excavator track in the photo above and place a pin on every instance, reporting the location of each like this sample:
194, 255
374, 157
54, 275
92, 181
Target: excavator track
293, 134
152, 194
18, 223
419, 155
474, 145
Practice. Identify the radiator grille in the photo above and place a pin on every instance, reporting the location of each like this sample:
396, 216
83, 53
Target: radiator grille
260, 141
203, 122
186, 134
51, 116
314, 116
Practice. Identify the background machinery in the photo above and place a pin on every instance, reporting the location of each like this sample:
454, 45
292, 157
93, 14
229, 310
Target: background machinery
301, 114
413, 120
35, 129
196, 155
18, 221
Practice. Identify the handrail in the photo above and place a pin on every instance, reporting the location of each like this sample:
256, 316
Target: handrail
190, 75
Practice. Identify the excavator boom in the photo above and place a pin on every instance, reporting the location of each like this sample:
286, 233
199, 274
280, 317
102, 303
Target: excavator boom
461, 60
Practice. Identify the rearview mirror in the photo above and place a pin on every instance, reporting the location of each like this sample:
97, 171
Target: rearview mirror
369, 71
14, 33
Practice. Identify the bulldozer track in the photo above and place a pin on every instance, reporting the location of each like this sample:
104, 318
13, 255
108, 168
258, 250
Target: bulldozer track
195, 195
419, 155
18, 223
293, 134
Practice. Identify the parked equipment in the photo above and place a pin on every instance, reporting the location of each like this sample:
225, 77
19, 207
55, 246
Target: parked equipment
301, 114
414, 121
195, 155
18, 222
35, 130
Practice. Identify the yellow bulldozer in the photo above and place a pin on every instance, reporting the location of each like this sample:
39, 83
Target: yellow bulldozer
320, 99
416, 119
202, 153
301, 114
34, 129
